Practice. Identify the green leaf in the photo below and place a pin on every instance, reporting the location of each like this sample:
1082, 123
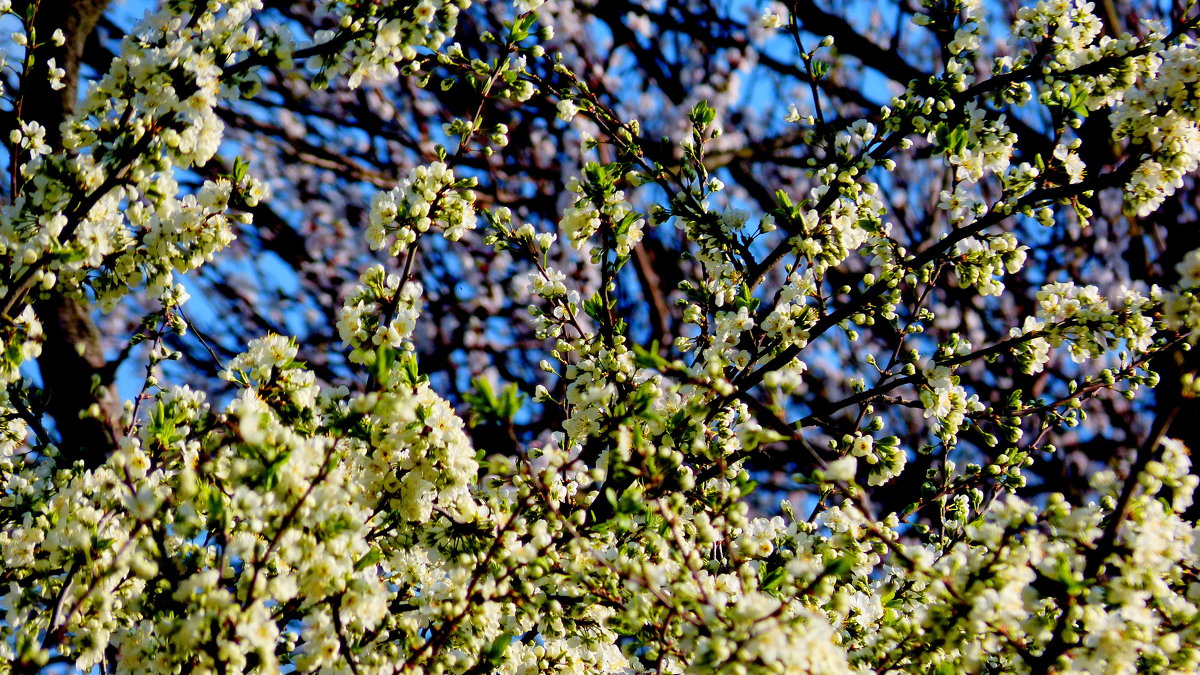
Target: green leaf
773, 578
1014, 399
702, 114
240, 166
602, 175
745, 298
495, 651
488, 407
838, 567
1077, 101
216, 507
373, 556
958, 139
594, 307
784, 200
941, 134
649, 357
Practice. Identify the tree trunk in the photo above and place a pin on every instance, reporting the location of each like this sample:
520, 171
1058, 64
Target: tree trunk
82, 398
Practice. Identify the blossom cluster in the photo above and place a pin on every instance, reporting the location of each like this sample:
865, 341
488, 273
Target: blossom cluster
153, 111
597, 207
380, 312
375, 41
1087, 323
429, 196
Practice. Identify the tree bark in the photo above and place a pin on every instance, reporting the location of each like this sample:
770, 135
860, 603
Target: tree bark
82, 397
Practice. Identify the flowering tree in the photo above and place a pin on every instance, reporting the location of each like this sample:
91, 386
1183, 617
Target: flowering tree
359, 501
